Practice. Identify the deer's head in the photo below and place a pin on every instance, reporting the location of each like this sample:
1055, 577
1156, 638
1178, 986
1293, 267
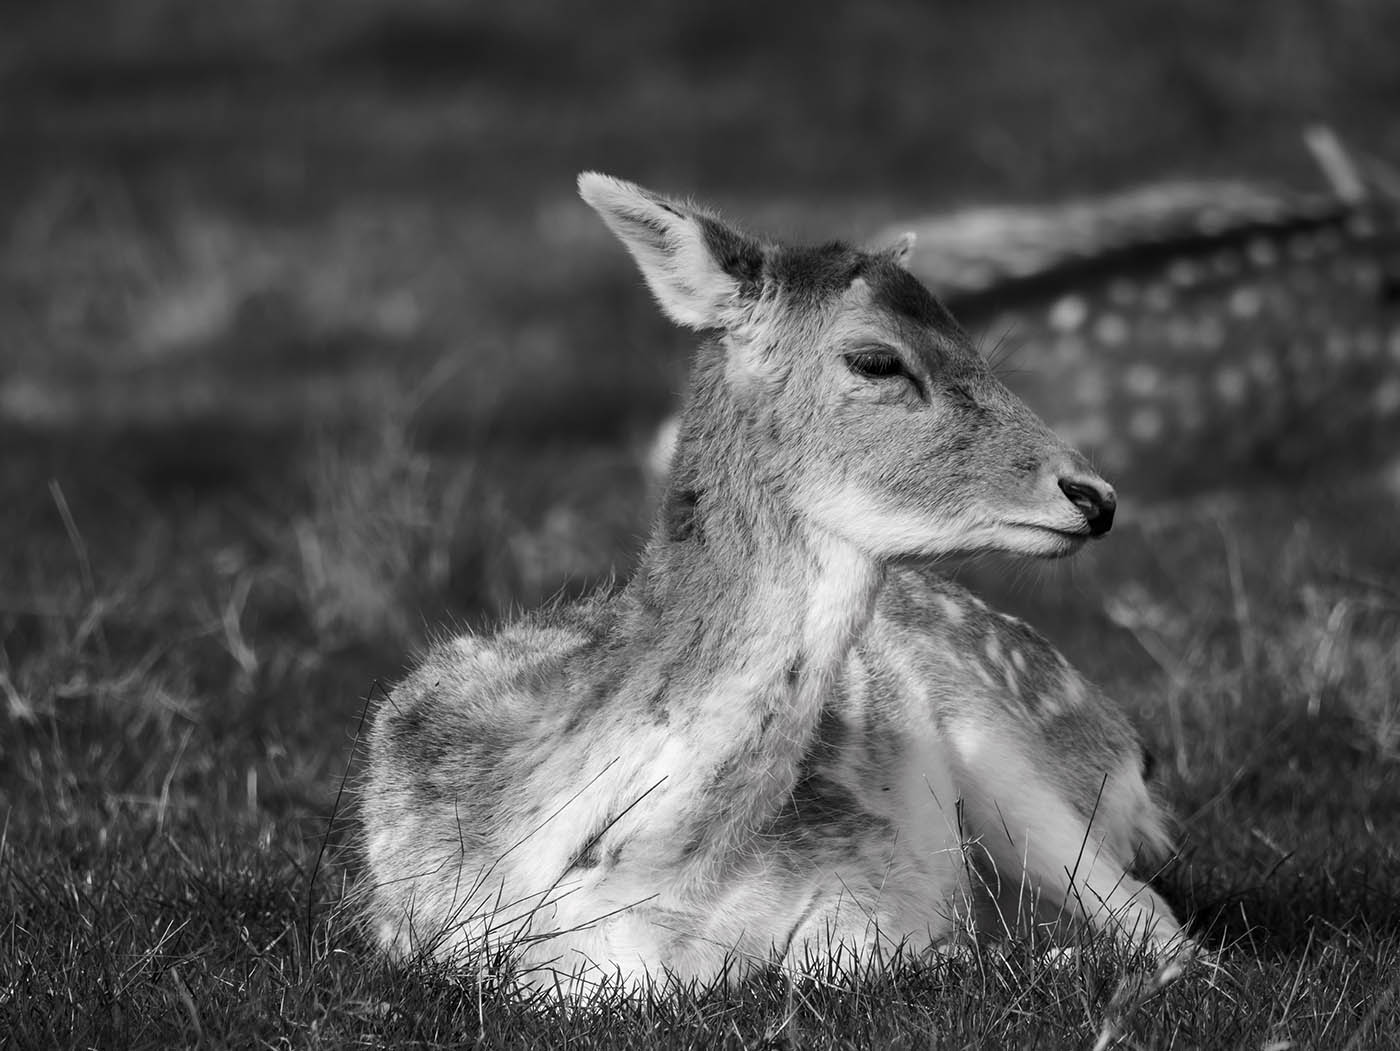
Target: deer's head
865, 406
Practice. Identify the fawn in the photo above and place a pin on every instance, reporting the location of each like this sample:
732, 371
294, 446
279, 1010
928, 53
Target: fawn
774, 742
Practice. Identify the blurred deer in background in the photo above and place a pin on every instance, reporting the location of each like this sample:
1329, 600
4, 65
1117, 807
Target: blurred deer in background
772, 743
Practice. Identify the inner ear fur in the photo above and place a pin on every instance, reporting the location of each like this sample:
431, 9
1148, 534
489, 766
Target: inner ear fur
703, 273
902, 250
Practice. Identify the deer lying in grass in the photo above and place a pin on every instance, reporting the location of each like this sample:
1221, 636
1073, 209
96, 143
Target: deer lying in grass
773, 743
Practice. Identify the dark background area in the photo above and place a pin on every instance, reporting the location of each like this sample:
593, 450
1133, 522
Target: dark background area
897, 100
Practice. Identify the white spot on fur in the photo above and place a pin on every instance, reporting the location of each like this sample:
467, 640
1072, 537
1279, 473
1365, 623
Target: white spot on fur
1210, 332
1181, 333
1246, 302
1226, 264
1263, 366
1367, 276
1068, 313
952, 612
1231, 385
1159, 296
1301, 248
1142, 379
1328, 239
1386, 398
993, 649
1183, 273
1068, 349
1092, 388
1337, 346
1146, 424
1262, 252
1122, 292
1111, 330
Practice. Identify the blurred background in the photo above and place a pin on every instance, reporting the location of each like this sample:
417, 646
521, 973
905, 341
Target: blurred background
308, 347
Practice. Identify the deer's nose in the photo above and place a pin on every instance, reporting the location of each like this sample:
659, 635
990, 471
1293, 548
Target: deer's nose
1095, 499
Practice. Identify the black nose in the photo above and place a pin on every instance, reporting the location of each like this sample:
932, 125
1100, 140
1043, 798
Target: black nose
1095, 500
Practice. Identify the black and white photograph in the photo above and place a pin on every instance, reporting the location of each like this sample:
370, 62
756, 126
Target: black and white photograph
700, 525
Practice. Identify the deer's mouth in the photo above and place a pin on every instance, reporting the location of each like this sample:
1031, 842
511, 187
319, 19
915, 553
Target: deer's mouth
1047, 541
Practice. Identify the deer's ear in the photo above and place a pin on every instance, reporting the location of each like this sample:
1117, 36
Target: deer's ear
902, 250
704, 274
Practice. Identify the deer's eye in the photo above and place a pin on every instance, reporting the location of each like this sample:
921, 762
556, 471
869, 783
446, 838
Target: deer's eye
876, 364
880, 363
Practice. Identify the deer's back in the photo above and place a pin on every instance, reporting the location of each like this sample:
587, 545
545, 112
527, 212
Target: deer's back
474, 716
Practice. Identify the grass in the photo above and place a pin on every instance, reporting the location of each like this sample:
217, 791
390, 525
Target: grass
309, 355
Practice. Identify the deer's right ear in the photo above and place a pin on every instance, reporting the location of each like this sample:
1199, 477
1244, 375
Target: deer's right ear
703, 274
902, 250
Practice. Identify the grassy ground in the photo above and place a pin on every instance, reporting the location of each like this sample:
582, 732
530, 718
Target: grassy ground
307, 352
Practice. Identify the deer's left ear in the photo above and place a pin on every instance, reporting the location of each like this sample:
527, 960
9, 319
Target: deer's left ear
902, 250
703, 274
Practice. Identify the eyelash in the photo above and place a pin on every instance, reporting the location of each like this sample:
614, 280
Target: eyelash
878, 364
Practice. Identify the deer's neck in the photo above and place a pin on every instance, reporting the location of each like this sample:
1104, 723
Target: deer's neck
747, 616
764, 599
731, 567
